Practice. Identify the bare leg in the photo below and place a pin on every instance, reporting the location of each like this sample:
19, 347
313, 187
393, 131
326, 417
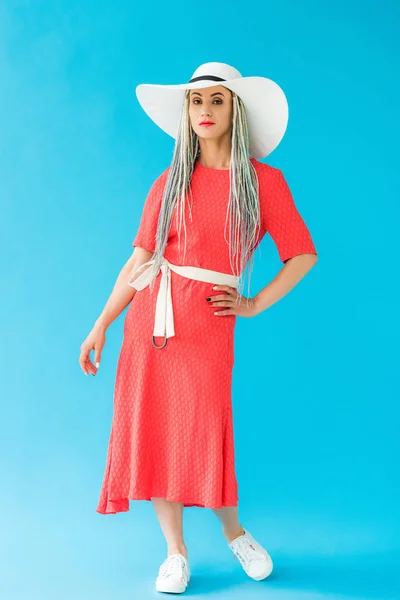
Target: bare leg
170, 516
228, 515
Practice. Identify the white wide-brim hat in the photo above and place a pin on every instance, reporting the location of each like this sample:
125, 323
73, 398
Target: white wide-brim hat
265, 103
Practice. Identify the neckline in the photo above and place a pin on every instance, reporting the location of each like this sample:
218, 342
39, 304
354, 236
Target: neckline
211, 168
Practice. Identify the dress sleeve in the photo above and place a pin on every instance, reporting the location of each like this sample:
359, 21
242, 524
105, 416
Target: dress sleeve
146, 233
282, 220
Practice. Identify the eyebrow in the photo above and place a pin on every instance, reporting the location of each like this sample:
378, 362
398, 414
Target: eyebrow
214, 94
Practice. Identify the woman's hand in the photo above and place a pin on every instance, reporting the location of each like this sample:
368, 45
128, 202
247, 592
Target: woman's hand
94, 341
232, 302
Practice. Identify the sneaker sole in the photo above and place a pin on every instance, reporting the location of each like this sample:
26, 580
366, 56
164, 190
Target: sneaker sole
161, 587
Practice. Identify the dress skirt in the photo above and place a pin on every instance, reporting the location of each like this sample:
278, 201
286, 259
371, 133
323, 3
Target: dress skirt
172, 430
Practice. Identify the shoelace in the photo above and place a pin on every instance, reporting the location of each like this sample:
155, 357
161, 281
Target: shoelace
171, 564
245, 552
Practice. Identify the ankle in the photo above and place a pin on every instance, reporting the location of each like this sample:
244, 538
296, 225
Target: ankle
231, 534
179, 549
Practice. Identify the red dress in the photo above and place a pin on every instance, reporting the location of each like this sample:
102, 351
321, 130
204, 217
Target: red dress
172, 429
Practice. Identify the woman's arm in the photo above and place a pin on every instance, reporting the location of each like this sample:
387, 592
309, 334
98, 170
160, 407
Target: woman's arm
120, 297
283, 221
294, 269
122, 293
291, 273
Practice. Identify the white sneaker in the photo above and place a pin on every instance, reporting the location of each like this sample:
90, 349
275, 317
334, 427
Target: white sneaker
173, 574
254, 559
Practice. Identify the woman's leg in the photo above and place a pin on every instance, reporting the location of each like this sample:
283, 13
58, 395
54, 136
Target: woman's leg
170, 516
228, 515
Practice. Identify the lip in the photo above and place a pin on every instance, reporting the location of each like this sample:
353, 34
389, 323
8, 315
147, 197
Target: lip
206, 123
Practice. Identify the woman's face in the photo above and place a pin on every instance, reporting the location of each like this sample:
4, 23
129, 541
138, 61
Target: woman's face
212, 104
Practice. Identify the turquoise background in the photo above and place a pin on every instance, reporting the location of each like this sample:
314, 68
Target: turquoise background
316, 378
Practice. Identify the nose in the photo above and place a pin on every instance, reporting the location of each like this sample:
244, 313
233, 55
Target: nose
206, 109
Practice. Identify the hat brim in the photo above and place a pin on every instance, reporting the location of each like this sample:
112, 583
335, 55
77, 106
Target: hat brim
265, 103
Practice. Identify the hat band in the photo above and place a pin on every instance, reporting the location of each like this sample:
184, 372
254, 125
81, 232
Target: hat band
212, 77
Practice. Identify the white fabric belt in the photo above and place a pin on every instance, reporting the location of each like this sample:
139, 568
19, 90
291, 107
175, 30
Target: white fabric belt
164, 319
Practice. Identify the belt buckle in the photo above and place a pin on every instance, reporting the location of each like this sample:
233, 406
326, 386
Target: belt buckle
164, 344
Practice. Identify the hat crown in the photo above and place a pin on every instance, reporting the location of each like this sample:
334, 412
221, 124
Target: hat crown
217, 69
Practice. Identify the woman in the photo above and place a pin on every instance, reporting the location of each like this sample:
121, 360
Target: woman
171, 439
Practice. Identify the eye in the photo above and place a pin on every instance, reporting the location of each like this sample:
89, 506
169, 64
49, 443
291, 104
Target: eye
218, 100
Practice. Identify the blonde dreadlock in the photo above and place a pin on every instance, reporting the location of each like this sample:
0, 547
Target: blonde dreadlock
243, 212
